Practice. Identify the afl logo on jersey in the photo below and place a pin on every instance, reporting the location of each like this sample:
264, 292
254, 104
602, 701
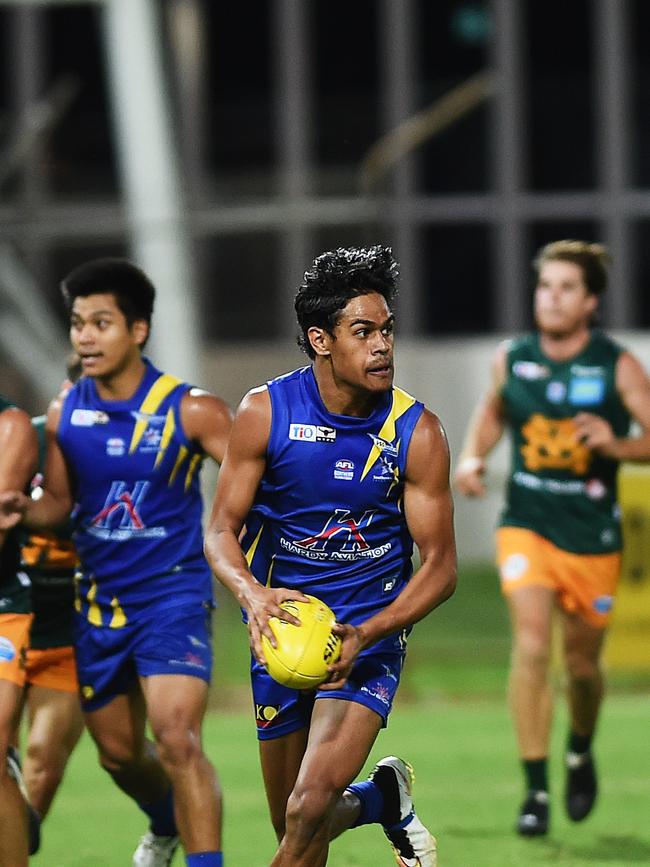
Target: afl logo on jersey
311, 433
344, 469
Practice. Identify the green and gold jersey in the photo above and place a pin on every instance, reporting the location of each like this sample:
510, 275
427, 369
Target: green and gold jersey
15, 596
558, 487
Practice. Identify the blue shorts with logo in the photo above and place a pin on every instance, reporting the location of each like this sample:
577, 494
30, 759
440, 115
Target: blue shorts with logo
168, 641
279, 710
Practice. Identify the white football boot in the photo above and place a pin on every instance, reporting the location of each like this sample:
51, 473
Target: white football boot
154, 851
413, 845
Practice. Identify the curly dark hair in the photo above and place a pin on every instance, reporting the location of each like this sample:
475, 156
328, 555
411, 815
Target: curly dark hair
337, 276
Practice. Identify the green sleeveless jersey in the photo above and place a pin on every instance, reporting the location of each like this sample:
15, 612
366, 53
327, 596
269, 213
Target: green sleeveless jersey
49, 560
15, 596
557, 486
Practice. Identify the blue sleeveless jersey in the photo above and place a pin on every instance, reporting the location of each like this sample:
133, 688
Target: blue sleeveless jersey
138, 508
328, 518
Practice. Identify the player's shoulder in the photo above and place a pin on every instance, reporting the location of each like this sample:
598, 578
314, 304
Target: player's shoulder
14, 420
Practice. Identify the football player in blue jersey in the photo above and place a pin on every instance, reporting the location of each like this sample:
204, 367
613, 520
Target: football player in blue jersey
125, 446
332, 473
18, 456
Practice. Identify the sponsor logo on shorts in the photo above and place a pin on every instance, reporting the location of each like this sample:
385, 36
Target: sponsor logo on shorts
514, 567
7, 650
266, 714
603, 604
189, 660
377, 691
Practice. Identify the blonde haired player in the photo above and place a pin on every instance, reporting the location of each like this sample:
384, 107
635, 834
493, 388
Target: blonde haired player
566, 393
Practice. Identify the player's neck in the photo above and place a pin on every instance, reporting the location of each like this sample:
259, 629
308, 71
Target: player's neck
560, 347
122, 384
341, 398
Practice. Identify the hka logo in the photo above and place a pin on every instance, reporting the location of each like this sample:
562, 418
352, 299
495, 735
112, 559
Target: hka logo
121, 507
341, 523
120, 518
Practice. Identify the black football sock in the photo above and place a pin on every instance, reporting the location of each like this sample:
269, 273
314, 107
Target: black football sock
535, 771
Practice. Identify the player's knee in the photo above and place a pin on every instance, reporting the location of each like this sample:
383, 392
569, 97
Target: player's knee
117, 754
311, 805
532, 651
43, 762
582, 669
177, 744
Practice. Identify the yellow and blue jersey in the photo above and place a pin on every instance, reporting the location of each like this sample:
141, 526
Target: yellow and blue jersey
137, 514
328, 517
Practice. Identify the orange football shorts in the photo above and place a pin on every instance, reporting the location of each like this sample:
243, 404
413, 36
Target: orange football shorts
52, 668
584, 584
14, 641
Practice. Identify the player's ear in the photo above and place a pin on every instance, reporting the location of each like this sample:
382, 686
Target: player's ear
320, 340
140, 331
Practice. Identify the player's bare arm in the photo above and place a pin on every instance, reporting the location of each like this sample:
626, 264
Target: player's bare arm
428, 508
207, 420
633, 385
18, 459
483, 433
239, 478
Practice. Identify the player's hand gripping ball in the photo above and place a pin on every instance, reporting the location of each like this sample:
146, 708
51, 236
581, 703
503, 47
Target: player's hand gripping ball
304, 652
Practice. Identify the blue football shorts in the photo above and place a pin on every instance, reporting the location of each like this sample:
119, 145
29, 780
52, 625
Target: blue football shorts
280, 710
168, 641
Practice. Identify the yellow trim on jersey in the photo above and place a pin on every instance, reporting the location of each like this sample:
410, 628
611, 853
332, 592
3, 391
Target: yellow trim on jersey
119, 617
402, 401
167, 433
161, 388
251, 551
270, 572
182, 454
194, 463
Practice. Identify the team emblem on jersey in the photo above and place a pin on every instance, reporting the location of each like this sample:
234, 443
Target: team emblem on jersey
152, 436
120, 518
387, 471
88, 417
311, 433
551, 443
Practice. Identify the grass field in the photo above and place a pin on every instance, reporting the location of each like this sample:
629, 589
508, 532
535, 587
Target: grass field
450, 722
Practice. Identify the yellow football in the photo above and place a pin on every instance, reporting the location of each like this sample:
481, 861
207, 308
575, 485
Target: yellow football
303, 652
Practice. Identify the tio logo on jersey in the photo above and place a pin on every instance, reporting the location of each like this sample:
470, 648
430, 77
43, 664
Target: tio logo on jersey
311, 433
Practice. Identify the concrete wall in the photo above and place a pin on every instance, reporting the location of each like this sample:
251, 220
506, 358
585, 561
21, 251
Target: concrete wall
449, 375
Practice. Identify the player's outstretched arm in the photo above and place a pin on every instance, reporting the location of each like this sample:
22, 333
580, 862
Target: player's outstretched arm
18, 460
428, 509
484, 431
239, 478
207, 420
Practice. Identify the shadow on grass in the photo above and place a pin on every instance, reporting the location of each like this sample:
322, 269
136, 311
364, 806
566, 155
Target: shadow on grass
612, 847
